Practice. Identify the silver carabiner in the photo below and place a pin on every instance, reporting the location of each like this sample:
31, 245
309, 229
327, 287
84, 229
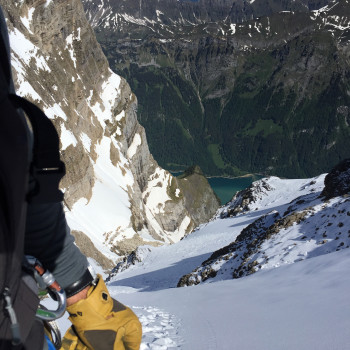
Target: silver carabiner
48, 280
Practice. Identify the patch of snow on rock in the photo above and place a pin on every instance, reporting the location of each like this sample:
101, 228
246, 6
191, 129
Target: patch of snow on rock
28, 19
55, 111
86, 141
156, 193
110, 92
67, 138
133, 147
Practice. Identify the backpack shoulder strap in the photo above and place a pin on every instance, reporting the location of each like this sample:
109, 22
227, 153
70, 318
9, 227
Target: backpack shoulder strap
4, 62
47, 168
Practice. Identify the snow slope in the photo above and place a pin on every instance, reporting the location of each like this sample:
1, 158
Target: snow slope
301, 305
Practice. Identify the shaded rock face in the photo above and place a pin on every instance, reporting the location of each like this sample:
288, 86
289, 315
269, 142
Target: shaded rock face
169, 12
250, 80
200, 206
337, 182
112, 184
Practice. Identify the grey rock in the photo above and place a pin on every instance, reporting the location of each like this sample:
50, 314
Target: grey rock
337, 182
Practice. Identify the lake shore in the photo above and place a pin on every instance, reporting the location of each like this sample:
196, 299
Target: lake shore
225, 187
260, 176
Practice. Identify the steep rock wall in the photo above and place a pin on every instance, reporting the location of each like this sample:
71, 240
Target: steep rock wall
115, 193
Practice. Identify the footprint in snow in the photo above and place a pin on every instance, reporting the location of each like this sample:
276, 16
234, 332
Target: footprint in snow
160, 329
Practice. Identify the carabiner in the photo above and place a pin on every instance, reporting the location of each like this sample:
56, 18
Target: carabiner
52, 285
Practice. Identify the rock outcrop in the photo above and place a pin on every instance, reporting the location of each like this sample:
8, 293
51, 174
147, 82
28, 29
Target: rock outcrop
337, 182
199, 207
242, 200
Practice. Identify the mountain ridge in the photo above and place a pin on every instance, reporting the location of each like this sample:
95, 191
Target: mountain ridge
261, 86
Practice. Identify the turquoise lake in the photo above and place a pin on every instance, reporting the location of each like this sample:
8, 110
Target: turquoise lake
226, 188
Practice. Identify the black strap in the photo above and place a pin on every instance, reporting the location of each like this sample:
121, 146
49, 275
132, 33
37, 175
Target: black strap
47, 168
85, 280
5, 62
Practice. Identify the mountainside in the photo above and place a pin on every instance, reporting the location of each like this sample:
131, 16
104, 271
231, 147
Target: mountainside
272, 274
246, 86
272, 223
312, 224
115, 192
170, 12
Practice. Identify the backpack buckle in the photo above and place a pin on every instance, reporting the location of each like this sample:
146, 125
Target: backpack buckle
47, 181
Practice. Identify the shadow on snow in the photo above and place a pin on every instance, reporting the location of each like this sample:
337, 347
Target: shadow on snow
165, 278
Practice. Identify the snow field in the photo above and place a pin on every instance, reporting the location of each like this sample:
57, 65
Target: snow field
164, 266
295, 306
300, 306
160, 329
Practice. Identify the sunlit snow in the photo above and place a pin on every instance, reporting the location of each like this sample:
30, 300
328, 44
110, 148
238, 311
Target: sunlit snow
156, 192
55, 111
67, 138
86, 141
27, 20
110, 92
133, 147
108, 211
26, 50
302, 305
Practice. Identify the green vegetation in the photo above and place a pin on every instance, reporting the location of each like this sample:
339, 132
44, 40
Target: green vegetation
264, 126
170, 111
282, 108
214, 150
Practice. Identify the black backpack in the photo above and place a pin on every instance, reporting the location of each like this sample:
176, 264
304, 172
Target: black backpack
18, 161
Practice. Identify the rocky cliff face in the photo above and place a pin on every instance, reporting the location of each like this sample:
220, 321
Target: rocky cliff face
256, 86
170, 12
115, 192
